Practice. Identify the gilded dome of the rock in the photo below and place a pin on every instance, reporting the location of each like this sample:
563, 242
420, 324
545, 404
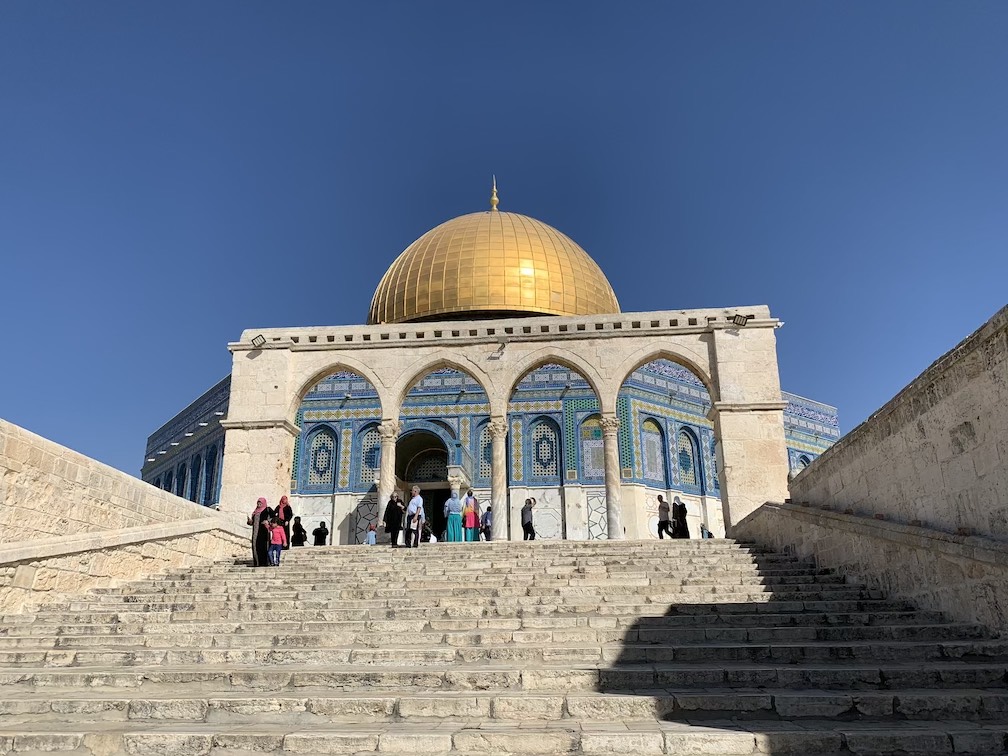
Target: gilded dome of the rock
491, 264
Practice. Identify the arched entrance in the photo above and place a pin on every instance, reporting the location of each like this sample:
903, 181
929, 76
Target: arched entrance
422, 460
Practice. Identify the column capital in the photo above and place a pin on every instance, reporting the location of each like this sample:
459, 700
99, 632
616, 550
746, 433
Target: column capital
718, 407
610, 425
498, 427
388, 430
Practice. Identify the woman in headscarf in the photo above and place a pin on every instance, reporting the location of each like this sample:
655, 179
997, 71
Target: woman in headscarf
285, 514
260, 535
679, 527
453, 511
471, 517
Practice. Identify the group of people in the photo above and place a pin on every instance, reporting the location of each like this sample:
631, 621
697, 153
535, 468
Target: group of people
274, 530
464, 520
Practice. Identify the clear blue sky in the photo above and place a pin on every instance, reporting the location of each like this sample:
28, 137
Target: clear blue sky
172, 173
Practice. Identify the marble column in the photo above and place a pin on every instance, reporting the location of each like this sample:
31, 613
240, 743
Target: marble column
613, 479
498, 478
388, 431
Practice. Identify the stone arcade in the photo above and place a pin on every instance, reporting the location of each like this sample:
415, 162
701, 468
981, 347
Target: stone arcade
496, 357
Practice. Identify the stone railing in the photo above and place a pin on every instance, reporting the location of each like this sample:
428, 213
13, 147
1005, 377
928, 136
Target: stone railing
69, 523
965, 577
936, 455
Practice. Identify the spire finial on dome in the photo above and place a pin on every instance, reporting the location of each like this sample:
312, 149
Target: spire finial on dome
493, 195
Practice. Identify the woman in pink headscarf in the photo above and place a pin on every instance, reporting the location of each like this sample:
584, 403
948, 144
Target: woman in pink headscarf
260, 535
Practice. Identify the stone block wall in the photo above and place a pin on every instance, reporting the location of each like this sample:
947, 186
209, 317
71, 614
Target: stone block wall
48, 491
69, 523
936, 455
53, 572
965, 577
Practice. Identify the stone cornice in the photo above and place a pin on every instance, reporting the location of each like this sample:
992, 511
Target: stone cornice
531, 330
748, 406
286, 425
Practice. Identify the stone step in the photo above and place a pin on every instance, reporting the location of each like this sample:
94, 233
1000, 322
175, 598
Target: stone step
481, 736
314, 707
569, 621
501, 637
615, 653
402, 610
548, 678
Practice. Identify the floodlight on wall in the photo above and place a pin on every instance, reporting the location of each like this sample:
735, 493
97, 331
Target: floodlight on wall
151, 459
259, 341
203, 425
741, 320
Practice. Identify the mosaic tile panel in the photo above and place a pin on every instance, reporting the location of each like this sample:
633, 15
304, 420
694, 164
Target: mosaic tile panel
344, 457
544, 447
370, 452
592, 448
486, 453
321, 456
687, 459
516, 451
653, 451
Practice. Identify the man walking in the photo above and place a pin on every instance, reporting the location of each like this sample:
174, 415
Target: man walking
664, 522
415, 519
527, 520
487, 523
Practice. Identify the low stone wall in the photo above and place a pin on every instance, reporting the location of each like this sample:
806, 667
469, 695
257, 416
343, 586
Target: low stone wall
936, 455
55, 570
69, 523
48, 490
965, 577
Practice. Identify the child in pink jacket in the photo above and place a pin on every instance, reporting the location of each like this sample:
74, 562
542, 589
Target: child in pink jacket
277, 540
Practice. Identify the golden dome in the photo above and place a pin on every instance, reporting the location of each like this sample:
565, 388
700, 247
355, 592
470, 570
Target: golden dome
491, 264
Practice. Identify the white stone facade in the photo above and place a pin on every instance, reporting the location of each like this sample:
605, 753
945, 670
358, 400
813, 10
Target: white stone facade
737, 364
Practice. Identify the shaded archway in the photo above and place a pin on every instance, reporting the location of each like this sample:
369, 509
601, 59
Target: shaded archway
666, 447
422, 460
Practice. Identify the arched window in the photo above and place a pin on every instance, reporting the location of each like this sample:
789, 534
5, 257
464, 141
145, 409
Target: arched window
686, 449
180, 480
320, 462
803, 462
370, 451
157, 482
485, 455
210, 485
592, 451
168, 480
544, 450
713, 477
194, 476
653, 451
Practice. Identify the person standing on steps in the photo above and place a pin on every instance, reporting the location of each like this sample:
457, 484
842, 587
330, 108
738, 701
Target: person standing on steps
487, 523
453, 514
260, 536
393, 518
299, 536
664, 524
415, 518
285, 514
321, 534
679, 527
471, 517
526, 515
277, 539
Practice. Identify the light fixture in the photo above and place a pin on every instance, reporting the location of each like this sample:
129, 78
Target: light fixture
204, 425
741, 320
174, 443
150, 459
219, 413
188, 434
259, 341
162, 452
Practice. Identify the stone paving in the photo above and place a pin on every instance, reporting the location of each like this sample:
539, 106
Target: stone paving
664, 647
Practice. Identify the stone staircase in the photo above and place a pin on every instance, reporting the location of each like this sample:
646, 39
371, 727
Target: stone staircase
674, 647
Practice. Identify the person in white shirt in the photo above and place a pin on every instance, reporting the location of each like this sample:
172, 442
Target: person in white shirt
415, 519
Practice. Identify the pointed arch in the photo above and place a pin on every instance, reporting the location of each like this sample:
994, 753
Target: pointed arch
545, 451
688, 460
343, 365
696, 364
591, 453
319, 460
429, 366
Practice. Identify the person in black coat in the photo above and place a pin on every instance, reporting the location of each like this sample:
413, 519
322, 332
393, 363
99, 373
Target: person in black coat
321, 534
679, 527
299, 536
393, 518
260, 536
